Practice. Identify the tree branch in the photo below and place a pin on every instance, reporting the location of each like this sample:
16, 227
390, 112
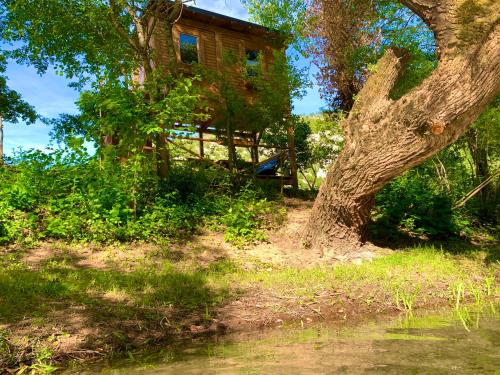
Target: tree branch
119, 27
174, 11
156, 11
379, 85
139, 27
422, 8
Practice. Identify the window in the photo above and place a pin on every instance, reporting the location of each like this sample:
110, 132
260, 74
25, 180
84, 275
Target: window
189, 49
252, 62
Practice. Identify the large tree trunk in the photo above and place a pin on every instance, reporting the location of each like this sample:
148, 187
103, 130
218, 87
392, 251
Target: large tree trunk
385, 137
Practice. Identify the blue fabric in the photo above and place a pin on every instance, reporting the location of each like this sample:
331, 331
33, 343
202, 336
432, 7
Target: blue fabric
269, 165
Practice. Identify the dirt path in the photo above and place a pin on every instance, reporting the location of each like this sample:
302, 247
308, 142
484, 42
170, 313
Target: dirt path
284, 245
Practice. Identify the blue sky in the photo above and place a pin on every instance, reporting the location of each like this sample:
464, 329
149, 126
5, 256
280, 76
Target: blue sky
50, 94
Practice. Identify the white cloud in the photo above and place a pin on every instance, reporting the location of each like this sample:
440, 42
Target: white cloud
231, 8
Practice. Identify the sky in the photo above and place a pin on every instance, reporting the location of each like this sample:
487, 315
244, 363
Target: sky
51, 96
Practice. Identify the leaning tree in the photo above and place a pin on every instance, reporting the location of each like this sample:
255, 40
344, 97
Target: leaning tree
385, 137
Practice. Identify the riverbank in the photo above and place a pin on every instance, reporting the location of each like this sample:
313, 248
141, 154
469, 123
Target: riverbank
63, 302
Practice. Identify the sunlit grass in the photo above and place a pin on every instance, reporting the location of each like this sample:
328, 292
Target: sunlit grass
411, 274
155, 285
407, 276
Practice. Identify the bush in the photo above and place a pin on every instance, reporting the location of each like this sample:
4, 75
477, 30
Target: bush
412, 203
246, 217
69, 197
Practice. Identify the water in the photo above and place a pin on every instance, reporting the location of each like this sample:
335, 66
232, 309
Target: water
428, 344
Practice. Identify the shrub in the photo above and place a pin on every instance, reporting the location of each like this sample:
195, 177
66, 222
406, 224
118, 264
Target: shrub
69, 197
413, 204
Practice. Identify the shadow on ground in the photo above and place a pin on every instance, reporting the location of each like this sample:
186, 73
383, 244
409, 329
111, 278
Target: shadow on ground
84, 307
395, 239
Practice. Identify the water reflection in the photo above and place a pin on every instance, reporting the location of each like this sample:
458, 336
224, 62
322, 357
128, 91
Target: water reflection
427, 344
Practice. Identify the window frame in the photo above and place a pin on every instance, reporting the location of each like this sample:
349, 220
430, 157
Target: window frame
256, 64
193, 35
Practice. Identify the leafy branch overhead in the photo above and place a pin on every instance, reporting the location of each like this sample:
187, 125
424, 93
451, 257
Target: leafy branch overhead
12, 107
83, 39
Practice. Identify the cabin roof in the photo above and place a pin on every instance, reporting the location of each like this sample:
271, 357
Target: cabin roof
227, 22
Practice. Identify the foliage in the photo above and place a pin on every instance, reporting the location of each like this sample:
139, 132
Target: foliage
372, 26
12, 107
421, 202
76, 37
70, 196
323, 145
83, 40
412, 202
149, 109
247, 216
285, 16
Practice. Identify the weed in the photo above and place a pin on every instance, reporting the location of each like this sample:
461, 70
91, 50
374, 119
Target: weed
489, 283
458, 293
464, 317
477, 293
406, 296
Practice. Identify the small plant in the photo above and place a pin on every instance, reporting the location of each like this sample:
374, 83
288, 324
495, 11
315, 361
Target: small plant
206, 316
406, 297
465, 318
7, 356
489, 283
477, 293
42, 361
459, 294
247, 217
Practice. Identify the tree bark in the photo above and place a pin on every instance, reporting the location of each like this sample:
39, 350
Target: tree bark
384, 137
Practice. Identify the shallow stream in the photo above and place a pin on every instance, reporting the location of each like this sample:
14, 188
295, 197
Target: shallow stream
436, 343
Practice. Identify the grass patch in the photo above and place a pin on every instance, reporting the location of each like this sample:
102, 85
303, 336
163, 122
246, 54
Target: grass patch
27, 291
410, 275
157, 291
407, 276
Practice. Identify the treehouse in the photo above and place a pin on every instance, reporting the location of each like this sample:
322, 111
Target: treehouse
203, 39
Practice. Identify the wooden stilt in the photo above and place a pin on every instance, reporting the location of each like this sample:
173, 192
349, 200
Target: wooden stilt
255, 149
230, 146
292, 156
202, 149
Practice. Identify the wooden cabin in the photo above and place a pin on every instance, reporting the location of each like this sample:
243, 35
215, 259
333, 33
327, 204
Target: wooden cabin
204, 37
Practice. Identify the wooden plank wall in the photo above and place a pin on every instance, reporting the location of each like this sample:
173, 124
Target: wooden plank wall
213, 43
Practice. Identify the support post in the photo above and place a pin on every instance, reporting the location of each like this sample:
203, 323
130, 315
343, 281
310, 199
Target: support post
230, 145
255, 149
202, 149
292, 154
